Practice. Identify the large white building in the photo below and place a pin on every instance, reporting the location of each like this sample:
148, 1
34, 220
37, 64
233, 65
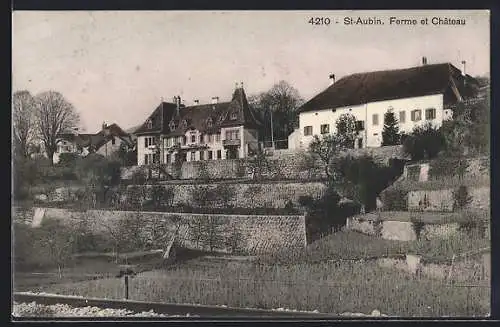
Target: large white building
214, 131
416, 95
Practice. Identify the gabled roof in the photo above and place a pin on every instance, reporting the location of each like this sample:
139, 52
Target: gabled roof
206, 118
98, 139
159, 119
382, 85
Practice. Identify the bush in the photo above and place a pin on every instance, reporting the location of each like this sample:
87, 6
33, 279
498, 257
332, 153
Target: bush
160, 197
425, 142
418, 226
362, 180
461, 198
413, 172
446, 167
394, 199
68, 159
306, 201
326, 214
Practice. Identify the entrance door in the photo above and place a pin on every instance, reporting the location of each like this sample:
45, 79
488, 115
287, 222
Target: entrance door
232, 153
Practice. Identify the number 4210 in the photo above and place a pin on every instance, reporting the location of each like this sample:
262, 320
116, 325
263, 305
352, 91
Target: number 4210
319, 21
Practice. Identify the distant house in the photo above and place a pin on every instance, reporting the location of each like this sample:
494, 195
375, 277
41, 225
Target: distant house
215, 131
416, 95
105, 142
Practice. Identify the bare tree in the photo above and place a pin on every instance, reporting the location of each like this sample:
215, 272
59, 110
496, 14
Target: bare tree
54, 115
283, 101
326, 148
23, 121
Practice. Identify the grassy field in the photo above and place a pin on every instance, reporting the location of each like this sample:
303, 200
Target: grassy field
443, 183
310, 280
433, 217
327, 287
352, 245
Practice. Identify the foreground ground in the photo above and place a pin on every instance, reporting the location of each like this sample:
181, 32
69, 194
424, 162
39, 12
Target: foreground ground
325, 277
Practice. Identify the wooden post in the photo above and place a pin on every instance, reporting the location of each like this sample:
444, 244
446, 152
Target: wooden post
126, 287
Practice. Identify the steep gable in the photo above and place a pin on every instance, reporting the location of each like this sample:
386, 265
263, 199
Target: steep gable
157, 122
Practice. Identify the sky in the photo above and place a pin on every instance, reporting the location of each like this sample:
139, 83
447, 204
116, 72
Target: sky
115, 67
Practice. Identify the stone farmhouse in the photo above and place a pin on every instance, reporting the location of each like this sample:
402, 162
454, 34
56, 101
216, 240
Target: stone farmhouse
215, 131
416, 95
105, 142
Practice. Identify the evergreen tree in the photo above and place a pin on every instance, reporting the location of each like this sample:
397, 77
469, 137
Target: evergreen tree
390, 133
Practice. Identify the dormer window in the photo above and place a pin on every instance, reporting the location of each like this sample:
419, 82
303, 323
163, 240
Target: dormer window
171, 125
184, 123
209, 122
149, 124
233, 116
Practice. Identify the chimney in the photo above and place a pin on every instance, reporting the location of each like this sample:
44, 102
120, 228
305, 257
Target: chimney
215, 100
241, 85
196, 101
177, 100
424, 61
463, 68
104, 125
332, 79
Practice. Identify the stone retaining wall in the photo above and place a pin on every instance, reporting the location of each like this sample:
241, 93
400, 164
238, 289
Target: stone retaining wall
400, 230
466, 269
249, 195
442, 200
281, 165
249, 234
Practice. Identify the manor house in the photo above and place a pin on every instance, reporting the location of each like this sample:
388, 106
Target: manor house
214, 131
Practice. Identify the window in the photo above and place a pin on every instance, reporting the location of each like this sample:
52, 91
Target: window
202, 155
430, 114
219, 154
148, 141
171, 125
325, 128
308, 130
360, 125
402, 117
182, 140
168, 159
193, 138
210, 138
184, 123
113, 141
193, 156
209, 122
217, 137
202, 138
375, 119
146, 162
233, 116
233, 134
416, 115
209, 155
149, 124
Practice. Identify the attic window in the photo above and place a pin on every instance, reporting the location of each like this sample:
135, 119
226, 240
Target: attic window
149, 124
233, 116
221, 118
171, 125
184, 123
